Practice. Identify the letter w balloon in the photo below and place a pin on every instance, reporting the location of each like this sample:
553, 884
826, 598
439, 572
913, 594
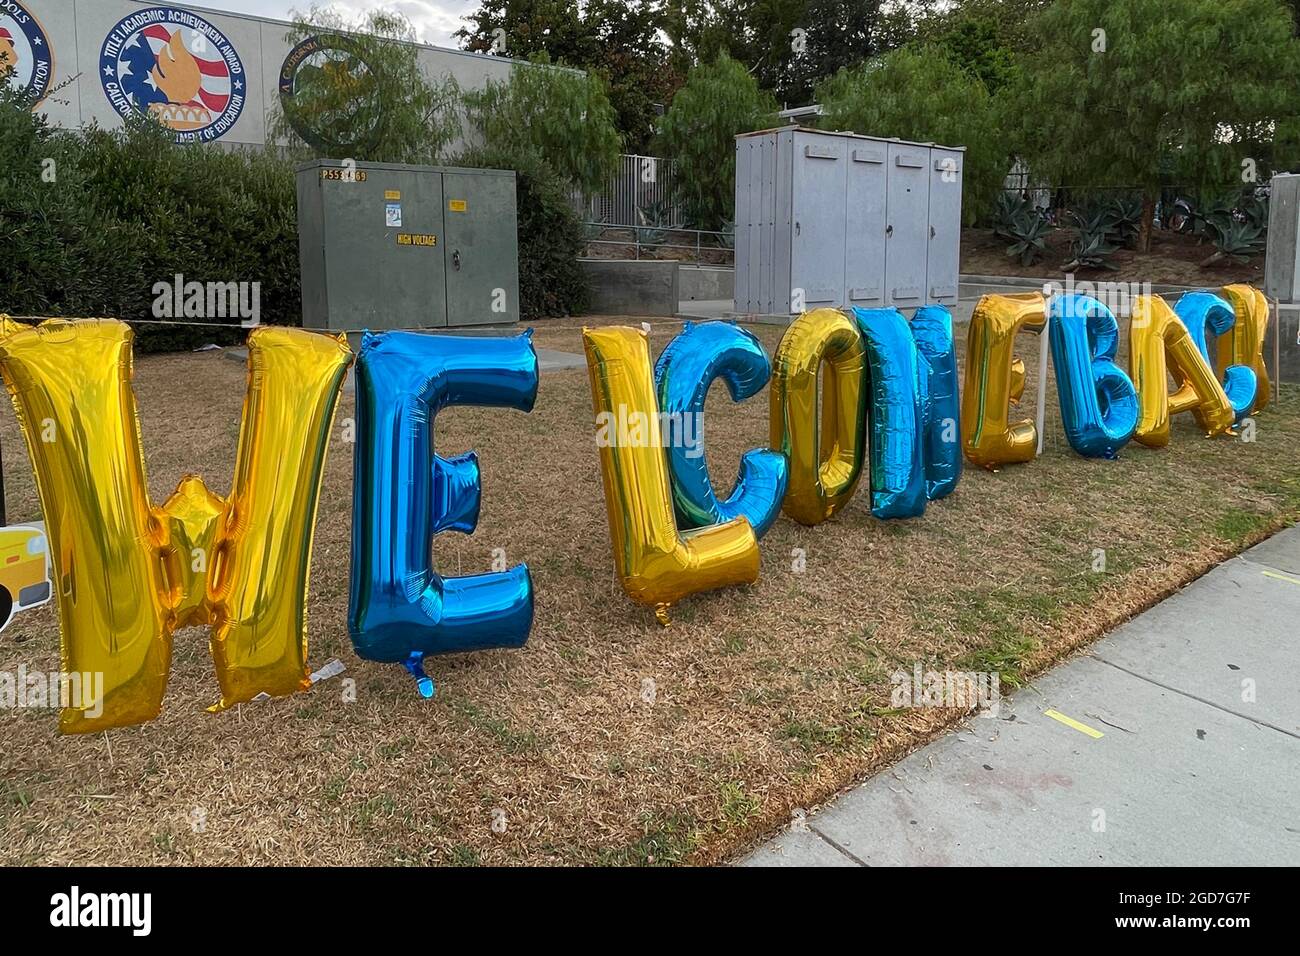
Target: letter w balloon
124, 574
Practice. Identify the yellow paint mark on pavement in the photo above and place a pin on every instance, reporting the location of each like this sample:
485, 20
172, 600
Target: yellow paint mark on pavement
1281, 577
1071, 722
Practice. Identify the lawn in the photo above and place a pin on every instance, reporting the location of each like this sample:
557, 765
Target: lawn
609, 739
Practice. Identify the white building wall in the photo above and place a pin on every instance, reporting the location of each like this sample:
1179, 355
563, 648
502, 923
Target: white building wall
76, 31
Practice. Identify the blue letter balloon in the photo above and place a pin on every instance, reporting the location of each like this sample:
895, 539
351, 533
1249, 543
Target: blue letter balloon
897, 386
1099, 406
932, 332
400, 609
686, 368
1206, 314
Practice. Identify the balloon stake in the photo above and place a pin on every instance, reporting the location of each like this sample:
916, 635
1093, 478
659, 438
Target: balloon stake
423, 682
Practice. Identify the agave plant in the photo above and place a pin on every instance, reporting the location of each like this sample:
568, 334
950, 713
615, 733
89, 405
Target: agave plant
1126, 216
1091, 250
1098, 230
1008, 211
653, 222
1234, 241
1028, 236
1253, 208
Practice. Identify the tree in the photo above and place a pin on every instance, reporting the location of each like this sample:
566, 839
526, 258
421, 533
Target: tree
1128, 92
919, 94
901, 23
717, 101
633, 62
839, 34
787, 45
983, 37
1008, 20
975, 45
525, 28
619, 40
358, 92
698, 30
562, 114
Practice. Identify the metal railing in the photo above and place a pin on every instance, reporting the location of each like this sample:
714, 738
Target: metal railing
640, 193
722, 248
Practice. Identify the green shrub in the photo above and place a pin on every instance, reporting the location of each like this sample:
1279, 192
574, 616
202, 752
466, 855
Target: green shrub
919, 94
94, 219
204, 213
59, 257
718, 101
551, 283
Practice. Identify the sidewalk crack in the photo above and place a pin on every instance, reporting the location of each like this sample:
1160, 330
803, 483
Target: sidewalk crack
835, 846
1202, 700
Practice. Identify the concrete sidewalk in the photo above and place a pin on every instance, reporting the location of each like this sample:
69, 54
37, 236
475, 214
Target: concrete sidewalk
1175, 740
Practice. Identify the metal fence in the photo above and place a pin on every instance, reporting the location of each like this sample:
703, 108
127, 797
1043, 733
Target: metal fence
708, 247
640, 193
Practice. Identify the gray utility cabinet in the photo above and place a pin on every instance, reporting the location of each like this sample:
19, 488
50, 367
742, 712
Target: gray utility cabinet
384, 246
849, 220
1282, 249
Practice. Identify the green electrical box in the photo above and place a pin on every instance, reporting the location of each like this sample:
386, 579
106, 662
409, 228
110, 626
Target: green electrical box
386, 246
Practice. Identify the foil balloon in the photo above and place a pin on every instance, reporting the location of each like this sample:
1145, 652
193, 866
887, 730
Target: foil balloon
1160, 346
686, 368
1243, 344
399, 608
825, 456
127, 573
657, 565
1099, 406
1208, 316
897, 388
932, 332
995, 377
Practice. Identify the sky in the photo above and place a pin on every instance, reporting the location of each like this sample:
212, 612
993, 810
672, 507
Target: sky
434, 20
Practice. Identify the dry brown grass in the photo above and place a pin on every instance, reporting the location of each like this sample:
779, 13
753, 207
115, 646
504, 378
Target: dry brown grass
768, 698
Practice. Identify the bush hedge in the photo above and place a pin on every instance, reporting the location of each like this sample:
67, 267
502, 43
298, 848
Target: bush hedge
92, 220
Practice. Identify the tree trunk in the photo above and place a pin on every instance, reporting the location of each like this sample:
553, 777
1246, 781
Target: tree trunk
1148, 217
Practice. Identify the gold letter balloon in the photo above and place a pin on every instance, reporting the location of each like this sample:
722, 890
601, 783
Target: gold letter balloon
995, 377
1243, 344
825, 457
657, 564
126, 573
1160, 345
